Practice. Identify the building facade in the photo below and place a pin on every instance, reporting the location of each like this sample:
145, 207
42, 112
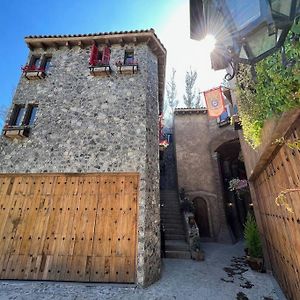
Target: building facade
207, 156
72, 117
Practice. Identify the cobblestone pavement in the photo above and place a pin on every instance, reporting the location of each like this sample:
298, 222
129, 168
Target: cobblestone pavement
223, 275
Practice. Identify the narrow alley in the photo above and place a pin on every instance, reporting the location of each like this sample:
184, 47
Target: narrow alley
223, 275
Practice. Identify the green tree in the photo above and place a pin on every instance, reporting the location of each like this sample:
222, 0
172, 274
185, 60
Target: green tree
190, 96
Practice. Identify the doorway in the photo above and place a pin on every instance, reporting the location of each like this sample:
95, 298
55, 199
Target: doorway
201, 216
237, 200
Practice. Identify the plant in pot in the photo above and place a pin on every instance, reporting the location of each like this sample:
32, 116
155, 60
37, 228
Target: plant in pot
187, 206
253, 244
197, 253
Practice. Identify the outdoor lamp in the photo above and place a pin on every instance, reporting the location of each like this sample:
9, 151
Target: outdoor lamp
246, 31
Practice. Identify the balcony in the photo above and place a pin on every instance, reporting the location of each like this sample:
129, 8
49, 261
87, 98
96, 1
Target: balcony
33, 72
100, 69
16, 132
127, 68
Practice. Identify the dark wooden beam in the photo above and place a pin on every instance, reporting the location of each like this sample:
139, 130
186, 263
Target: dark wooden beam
68, 44
107, 42
31, 48
44, 46
80, 44
55, 45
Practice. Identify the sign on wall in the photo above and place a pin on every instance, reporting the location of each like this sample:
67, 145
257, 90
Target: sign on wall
214, 102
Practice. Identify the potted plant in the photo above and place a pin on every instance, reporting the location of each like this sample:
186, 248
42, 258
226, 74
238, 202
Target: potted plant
187, 206
197, 253
253, 244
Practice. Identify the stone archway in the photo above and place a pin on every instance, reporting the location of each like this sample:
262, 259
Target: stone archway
202, 216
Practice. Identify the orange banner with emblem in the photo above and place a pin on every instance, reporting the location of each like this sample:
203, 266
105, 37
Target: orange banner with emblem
214, 102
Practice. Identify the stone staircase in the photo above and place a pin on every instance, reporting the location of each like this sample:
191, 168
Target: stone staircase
171, 218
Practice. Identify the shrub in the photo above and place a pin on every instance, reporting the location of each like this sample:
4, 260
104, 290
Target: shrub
276, 90
187, 206
252, 238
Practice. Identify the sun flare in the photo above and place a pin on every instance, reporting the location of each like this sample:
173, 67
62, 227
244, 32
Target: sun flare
185, 54
209, 43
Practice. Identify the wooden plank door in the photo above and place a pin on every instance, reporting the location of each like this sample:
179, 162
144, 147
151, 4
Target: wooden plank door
70, 227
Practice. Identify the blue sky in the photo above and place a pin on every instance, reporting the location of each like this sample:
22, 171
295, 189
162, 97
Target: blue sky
19, 18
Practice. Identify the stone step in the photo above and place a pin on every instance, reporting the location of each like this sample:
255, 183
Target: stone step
173, 231
173, 225
171, 218
172, 236
176, 245
178, 254
168, 211
169, 201
170, 207
170, 214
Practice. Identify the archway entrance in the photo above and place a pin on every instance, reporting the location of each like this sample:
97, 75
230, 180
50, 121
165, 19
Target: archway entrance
201, 216
237, 201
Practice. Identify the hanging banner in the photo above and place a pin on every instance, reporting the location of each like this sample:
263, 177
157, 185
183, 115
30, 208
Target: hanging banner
214, 102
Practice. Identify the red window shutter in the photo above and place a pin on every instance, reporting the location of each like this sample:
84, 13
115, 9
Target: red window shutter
94, 55
106, 55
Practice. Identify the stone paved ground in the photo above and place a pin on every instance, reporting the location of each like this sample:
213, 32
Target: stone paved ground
181, 279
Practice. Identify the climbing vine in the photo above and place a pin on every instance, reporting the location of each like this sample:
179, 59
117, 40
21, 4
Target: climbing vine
275, 90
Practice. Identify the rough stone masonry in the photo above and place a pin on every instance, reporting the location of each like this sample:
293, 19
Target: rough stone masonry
90, 124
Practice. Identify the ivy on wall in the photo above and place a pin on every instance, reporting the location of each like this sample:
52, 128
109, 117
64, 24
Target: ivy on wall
275, 90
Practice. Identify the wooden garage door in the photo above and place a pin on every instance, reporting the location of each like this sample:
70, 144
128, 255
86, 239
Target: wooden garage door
69, 227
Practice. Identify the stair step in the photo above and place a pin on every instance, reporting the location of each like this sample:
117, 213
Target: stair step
176, 245
172, 236
178, 254
173, 226
171, 220
174, 231
171, 217
166, 212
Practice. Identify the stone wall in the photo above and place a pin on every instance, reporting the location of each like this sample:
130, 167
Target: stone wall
196, 140
96, 124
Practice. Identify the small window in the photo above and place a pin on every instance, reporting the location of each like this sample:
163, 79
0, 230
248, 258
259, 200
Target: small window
100, 54
17, 115
46, 63
35, 61
30, 115
129, 57
225, 116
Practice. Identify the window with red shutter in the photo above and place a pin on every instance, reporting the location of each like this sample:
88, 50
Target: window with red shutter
94, 56
106, 56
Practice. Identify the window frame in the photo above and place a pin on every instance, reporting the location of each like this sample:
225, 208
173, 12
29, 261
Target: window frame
44, 60
34, 58
127, 55
16, 113
28, 114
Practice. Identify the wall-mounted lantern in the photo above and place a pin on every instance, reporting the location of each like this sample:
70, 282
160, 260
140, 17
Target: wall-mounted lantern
245, 31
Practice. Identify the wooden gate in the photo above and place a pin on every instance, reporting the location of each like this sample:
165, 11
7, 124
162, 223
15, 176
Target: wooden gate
69, 227
281, 224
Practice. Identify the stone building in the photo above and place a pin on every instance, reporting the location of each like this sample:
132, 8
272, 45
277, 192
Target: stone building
207, 157
70, 119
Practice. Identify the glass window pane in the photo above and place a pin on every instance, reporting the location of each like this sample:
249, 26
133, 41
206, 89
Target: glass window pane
36, 62
260, 41
244, 12
129, 57
32, 115
19, 116
281, 7
47, 63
